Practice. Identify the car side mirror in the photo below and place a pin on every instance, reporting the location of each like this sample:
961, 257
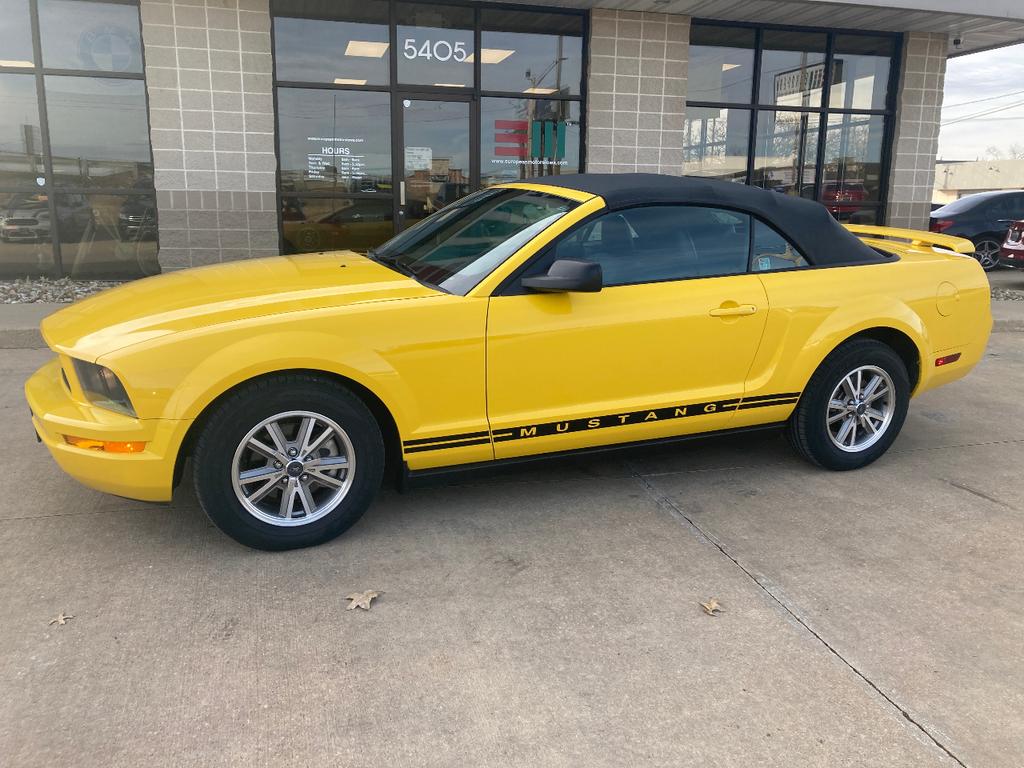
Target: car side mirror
567, 275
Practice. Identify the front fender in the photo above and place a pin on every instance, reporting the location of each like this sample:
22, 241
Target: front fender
178, 377
423, 359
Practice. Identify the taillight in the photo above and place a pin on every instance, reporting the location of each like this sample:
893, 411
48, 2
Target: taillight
940, 225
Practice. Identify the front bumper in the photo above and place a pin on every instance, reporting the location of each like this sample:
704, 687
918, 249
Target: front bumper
147, 475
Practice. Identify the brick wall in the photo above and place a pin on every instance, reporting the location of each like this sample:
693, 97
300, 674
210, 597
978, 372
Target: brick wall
636, 91
208, 71
918, 112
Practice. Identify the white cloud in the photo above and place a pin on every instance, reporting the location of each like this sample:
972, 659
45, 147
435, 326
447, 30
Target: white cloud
989, 76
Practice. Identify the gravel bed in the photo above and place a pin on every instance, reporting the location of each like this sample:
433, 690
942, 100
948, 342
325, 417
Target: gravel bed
1007, 294
43, 290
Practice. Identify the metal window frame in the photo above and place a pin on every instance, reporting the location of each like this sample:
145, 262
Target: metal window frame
399, 90
51, 188
824, 110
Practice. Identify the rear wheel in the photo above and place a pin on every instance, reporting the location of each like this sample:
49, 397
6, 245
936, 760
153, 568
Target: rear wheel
853, 407
288, 462
986, 251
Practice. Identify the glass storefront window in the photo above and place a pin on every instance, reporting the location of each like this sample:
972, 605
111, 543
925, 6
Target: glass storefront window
436, 155
21, 141
860, 72
94, 214
521, 62
90, 36
99, 131
338, 52
328, 224
523, 138
334, 140
721, 65
15, 34
107, 236
360, 160
25, 235
786, 151
792, 68
715, 143
435, 45
853, 160
775, 134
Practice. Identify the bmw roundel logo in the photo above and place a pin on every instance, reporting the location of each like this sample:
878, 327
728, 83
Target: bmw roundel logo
108, 48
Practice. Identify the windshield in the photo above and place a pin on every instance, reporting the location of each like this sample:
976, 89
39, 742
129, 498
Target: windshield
461, 244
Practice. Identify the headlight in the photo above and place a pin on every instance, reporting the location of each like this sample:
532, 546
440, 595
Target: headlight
102, 387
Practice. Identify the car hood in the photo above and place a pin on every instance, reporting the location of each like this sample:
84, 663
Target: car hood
240, 290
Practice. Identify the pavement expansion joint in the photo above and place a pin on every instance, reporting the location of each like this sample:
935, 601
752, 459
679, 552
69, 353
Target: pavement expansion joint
677, 512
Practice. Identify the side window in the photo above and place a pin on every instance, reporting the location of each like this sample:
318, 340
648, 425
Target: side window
773, 251
1002, 207
664, 242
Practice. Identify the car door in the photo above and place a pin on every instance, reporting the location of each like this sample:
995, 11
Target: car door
663, 349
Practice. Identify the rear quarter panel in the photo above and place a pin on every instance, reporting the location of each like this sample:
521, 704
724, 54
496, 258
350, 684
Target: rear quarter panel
940, 301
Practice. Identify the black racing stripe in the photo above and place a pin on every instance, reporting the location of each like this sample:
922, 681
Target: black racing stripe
598, 422
453, 444
615, 420
445, 438
768, 403
771, 397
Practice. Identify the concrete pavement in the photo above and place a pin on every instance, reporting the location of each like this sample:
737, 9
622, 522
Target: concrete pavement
545, 615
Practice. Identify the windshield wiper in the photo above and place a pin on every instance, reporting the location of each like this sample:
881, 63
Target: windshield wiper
390, 261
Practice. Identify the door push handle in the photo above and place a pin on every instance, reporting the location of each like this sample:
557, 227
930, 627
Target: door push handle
735, 310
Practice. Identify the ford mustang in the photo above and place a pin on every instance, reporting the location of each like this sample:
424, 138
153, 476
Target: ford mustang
527, 319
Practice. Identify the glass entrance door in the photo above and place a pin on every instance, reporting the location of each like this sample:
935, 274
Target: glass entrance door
434, 155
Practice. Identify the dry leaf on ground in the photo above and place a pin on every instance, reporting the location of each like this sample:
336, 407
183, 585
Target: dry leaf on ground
61, 619
712, 607
362, 599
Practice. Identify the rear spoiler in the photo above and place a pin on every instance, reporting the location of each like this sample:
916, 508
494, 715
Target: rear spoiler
916, 237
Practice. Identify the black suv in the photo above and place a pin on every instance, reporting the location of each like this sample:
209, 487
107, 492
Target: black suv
983, 219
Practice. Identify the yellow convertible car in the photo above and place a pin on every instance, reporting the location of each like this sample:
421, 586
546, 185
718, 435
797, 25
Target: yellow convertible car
526, 319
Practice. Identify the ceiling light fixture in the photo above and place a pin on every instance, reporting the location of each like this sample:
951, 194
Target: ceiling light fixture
491, 55
542, 91
348, 81
366, 48
450, 85
727, 67
16, 63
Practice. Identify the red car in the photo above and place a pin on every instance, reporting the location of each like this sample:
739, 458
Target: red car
1012, 252
843, 199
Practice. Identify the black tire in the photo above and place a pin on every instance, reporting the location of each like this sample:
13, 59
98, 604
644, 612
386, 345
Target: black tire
232, 420
808, 431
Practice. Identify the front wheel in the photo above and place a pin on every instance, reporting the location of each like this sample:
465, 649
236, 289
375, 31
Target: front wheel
853, 407
288, 462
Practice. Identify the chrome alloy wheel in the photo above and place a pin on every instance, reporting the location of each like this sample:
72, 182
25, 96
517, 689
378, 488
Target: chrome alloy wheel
293, 468
860, 409
987, 254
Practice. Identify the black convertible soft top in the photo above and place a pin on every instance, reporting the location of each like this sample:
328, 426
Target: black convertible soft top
807, 223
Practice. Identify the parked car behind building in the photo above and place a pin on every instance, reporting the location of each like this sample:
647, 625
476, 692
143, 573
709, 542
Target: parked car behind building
1012, 252
983, 219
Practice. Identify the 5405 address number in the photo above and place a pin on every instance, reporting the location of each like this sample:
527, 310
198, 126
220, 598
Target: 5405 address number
441, 50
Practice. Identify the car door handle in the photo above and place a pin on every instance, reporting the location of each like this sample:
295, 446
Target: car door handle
733, 310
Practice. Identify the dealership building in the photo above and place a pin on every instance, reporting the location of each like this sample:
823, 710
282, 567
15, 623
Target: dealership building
139, 136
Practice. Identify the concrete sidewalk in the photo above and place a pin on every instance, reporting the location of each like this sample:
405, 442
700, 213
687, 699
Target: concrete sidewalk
547, 615
19, 324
